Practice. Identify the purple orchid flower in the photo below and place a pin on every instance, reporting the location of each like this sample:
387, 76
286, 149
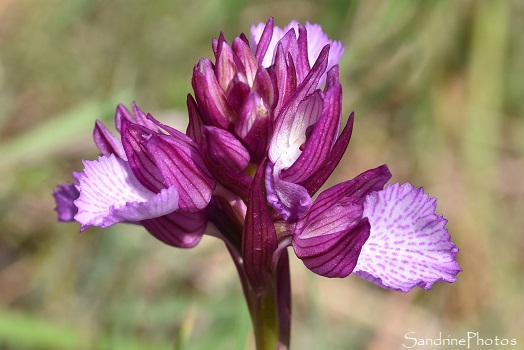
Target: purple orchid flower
154, 177
338, 233
264, 135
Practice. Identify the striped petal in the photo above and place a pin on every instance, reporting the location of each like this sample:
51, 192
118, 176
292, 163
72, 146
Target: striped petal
408, 245
110, 193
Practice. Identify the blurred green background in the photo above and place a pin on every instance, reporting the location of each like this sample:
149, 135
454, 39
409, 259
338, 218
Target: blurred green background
438, 91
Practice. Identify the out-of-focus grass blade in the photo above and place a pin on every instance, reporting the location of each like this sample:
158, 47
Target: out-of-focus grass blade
62, 131
22, 331
29, 332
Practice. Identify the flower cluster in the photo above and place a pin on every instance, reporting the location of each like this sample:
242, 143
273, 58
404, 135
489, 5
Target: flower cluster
265, 133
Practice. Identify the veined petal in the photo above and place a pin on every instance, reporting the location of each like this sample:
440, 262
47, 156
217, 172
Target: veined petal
209, 95
224, 149
254, 125
106, 142
178, 160
259, 238
65, 196
246, 56
290, 132
329, 242
194, 127
181, 230
133, 138
408, 245
227, 64
322, 139
110, 193
290, 200
284, 121
319, 177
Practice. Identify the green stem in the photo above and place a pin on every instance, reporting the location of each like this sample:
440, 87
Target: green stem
271, 311
264, 315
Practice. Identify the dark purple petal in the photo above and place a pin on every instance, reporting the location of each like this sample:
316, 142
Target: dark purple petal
354, 191
254, 126
408, 245
322, 139
224, 149
106, 142
142, 165
177, 158
263, 86
226, 158
285, 78
65, 195
289, 110
259, 238
109, 193
238, 91
122, 113
194, 127
181, 230
319, 177
289, 200
209, 95
329, 242
301, 60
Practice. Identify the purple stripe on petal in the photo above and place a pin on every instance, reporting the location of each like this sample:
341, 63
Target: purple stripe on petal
180, 164
408, 245
145, 170
106, 142
195, 122
224, 149
328, 242
181, 230
289, 110
290, 134
122, 113
110, 193
227, 63
259, 238
321, 141
65, 195
254, 126
212, 103
355, 190
319, 177
249, 62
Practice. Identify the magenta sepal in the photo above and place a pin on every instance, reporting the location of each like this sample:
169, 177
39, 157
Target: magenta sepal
194, 127
142, 166
321, 140
106, 142
213, 106
181, 230
259, 238
330, 236
329, 241
177, 159
225, 158
320, 176
254, 126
